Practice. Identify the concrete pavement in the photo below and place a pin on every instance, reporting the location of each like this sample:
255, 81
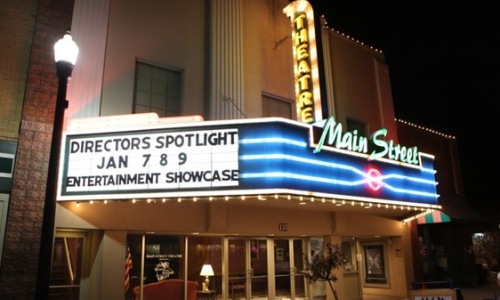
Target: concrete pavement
486, 291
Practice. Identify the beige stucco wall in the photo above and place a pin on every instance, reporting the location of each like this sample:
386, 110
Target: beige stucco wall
361, 85
167, 33
188, 217
268, 63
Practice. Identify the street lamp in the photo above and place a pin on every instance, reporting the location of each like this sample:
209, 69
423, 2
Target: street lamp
65, 53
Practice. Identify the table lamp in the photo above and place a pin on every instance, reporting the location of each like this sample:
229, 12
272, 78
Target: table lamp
206, 271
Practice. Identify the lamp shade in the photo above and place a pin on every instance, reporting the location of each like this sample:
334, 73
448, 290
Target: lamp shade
207, 270
66, 50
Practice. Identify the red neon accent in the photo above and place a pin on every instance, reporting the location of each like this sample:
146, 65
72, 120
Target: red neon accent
374, 182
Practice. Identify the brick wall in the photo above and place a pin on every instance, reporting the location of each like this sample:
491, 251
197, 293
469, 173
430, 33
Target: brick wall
16, 33
20, 260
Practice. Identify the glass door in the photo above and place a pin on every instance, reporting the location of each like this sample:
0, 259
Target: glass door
258, 269
298, 281
237, 268
265, 268
247, 268
67, 265
282, 268
288, 262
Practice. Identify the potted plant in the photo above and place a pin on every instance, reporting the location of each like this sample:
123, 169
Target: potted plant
322, 265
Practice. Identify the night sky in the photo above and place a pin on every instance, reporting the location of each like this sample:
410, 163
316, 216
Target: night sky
444, 63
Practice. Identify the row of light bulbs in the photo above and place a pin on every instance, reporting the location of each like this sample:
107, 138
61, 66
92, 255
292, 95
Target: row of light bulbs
302, 200
348, 37
426, 129
380, 51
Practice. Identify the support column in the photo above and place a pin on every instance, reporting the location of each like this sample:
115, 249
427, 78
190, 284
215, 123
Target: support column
226, 61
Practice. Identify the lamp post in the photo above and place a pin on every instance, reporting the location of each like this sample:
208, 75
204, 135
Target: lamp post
65, 53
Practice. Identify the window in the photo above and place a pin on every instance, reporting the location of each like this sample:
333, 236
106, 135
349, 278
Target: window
157, 90
349, 249
273, 106
361, 131
359, 126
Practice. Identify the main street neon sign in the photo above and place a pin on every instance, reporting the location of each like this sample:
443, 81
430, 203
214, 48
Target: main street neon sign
307, 89
333, 136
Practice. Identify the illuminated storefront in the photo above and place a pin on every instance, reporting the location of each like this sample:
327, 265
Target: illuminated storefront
253, 164
282, 160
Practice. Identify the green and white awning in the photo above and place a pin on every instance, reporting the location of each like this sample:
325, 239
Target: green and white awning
434, 217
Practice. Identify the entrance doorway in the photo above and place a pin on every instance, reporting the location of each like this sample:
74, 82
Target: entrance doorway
265, 268
67, 265
244, 268
288, 261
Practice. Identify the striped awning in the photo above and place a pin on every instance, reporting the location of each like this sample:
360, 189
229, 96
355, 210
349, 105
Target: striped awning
452, 211
434, 217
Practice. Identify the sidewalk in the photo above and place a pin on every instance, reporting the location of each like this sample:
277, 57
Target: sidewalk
486, 291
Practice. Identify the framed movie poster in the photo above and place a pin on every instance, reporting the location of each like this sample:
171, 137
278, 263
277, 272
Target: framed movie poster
375, 264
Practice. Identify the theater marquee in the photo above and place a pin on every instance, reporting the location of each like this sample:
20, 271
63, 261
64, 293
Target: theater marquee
240, 157
152, 160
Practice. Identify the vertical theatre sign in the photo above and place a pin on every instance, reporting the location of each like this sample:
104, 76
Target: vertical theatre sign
307, 89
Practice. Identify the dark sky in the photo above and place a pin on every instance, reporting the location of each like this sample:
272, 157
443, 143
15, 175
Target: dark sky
444, 63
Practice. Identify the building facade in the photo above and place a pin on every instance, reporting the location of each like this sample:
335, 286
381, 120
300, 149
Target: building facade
200, 73
445, 238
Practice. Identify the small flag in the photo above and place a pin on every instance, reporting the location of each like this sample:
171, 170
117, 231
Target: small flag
128, 267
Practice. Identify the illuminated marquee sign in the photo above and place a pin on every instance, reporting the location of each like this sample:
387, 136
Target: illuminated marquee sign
305, 56
234, 157
158, 160
332, 135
